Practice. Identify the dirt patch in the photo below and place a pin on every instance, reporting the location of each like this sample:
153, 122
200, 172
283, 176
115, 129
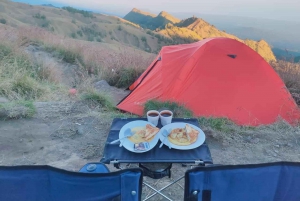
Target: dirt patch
67, 135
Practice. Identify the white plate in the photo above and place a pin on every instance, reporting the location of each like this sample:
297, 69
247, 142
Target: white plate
127, 144
200, 140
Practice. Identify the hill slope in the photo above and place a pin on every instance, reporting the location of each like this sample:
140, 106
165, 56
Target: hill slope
194, 29
78, 24
150, 21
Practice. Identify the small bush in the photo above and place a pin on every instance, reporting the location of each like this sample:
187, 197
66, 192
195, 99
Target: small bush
178, 109
98, 98
3, 21
123, 77
73, 35
79, 33
84, 13
45, 24
27, 87
144, 39
17, 109
220, 124
120, 28
39, 16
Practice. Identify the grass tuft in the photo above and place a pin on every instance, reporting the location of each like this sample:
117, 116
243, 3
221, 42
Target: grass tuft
98, 98
124, 77
177, 109
17, 109
220, 124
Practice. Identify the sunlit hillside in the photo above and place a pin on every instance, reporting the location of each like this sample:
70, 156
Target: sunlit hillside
191, 30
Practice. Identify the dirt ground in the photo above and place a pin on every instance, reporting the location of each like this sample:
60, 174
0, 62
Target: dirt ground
67, 135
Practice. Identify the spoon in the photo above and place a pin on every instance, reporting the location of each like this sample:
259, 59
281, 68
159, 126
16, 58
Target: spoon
165, 134
127, 133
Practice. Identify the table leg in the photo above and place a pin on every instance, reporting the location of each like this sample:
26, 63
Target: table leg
155, 193
158, 191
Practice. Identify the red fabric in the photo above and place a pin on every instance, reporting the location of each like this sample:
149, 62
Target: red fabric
206, 80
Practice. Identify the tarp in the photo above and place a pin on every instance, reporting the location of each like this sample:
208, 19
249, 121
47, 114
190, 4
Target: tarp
218, 77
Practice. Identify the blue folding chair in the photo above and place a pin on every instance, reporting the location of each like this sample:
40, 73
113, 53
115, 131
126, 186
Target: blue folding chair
45, 183
278, 181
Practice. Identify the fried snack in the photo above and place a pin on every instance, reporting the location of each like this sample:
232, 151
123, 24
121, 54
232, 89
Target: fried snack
150, 131
143, 134
183, 136
191, 133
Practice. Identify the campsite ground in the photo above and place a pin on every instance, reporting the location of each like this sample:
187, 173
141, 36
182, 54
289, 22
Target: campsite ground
69, 134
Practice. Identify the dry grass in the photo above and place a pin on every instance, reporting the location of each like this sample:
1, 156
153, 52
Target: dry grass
20, 78
93, 59
290, 74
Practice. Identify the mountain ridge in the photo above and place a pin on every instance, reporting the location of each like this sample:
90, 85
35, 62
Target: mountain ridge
191, 30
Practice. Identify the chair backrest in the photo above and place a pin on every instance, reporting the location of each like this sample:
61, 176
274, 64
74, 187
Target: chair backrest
260, 182
45, 183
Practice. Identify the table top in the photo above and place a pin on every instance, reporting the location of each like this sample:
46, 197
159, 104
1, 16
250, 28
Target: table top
115, 154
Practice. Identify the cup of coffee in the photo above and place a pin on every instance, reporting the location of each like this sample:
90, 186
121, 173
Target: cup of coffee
166, 117
153, 117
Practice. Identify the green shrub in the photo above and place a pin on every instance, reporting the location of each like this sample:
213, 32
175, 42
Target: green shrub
123, 77
3, 21
144, 39
178, 109
82, 12
18, 109
73, 35
39, 16
220, 124
27, 87
79, 33
98, 98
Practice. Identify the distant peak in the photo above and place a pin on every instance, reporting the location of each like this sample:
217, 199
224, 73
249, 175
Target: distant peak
135, 10
163, 13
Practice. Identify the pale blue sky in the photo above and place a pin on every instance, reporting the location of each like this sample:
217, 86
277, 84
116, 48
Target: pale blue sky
271, 9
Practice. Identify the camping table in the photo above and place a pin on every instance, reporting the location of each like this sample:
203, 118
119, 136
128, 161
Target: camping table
115, 155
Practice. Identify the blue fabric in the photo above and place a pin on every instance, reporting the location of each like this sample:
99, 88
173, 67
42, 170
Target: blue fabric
44, 183
262, 182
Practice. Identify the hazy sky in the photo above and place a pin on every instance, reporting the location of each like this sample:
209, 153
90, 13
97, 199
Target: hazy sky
272, 9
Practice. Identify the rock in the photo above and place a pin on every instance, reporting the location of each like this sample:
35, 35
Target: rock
276, 145
255, 141
3, 100
274, 154
248, 139
102, 85
276, 151
289, 145
80, 130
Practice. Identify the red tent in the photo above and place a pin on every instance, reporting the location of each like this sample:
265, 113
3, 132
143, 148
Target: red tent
217, 77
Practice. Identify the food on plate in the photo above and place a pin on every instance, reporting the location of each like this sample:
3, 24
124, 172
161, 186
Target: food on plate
183, 136
143, 134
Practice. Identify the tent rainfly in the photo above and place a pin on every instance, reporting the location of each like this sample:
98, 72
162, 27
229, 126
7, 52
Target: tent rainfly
215, 77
